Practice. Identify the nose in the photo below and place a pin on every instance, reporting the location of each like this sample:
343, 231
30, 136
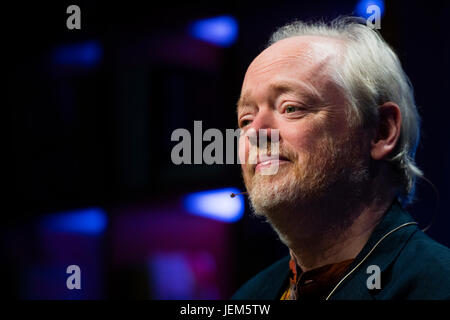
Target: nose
263, 123
262, 137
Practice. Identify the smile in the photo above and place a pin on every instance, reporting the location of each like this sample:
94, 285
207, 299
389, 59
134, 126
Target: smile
270, 161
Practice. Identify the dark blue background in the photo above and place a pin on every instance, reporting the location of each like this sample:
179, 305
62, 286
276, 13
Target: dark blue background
98, 135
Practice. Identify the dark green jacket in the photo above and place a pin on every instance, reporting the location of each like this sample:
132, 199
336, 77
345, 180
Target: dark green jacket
413, 266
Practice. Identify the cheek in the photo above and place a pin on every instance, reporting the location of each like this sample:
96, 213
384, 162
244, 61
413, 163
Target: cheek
306, 135
243, 144
297, 138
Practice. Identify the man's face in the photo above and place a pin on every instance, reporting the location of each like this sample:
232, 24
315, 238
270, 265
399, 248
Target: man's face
288, 88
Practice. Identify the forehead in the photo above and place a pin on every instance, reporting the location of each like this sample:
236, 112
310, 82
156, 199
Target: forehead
306, 51
304, 61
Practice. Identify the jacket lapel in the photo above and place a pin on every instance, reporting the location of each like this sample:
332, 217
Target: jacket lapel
355, 285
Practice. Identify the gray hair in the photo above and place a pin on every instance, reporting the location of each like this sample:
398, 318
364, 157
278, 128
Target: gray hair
370, 74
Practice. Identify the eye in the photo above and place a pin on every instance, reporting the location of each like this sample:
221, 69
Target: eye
244, 123
291, 109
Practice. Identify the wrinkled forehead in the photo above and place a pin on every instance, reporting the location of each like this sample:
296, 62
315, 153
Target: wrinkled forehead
302, 57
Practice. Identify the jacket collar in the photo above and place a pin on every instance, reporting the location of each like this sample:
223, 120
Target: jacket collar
390, 243
389, 248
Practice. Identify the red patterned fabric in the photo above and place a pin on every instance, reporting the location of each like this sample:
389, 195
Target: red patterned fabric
314, 284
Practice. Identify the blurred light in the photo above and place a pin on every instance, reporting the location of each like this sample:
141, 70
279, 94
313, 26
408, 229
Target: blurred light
86, 221
221, 31
171, 277
361, 7
216, 204
86, 54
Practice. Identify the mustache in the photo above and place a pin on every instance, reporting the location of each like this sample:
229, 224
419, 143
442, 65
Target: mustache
284, 153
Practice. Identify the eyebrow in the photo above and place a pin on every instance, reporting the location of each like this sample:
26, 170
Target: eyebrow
284, 87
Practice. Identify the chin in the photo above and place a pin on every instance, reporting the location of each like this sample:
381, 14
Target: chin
270, 194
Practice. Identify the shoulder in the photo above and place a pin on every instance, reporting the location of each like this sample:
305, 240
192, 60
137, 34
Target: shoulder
267, 284
426, 254
422, 269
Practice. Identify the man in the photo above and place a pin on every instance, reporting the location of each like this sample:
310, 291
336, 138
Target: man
348, 130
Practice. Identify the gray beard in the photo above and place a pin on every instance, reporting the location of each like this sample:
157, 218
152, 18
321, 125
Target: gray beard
321, 201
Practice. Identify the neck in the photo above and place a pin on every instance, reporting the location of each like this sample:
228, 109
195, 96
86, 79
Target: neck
323, 244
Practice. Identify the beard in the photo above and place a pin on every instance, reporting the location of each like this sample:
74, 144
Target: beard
315, 192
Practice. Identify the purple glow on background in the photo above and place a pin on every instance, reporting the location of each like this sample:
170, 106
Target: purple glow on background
183, 275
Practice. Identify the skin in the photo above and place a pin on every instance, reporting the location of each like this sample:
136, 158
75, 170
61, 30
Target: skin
288, 87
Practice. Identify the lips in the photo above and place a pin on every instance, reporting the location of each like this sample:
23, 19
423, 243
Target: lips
266, 161
263, 158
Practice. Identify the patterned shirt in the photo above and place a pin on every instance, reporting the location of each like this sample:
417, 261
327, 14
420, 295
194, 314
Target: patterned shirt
314, 284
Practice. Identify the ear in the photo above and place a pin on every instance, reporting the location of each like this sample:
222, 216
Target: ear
387, 132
